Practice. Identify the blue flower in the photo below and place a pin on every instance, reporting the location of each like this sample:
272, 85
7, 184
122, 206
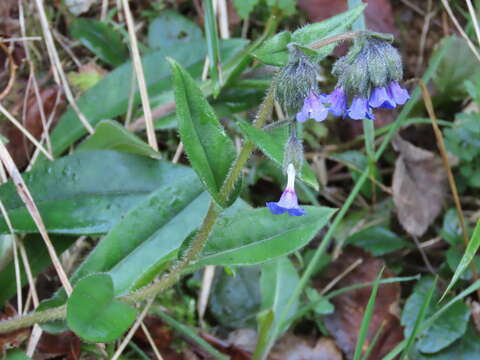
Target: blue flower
360, 109
397, 93
338, 102
288, 201
381, 98
313, 108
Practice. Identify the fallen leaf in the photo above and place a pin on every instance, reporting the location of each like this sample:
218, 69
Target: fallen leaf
419, 186
378, 14
292, 347
15, 338
344, 323
160, 332
65, 344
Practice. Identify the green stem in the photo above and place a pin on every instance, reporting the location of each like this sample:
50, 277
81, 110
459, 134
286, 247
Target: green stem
402, 117
193, 252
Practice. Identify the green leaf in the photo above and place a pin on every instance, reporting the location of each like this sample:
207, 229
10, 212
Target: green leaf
466, 348
240, 292
101, 39
110, 97
87, 192
16, 355
149, 235
245, 7
448, 327
377, 240
274, 51
287, 6
419, 320
209, 149
451, 231
94, 314
113, 136
322, 305
255, 236
272, 144
278, 275
468, 256
456, 66
171, 29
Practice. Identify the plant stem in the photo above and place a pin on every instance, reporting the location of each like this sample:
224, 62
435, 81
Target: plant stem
402, 117
193, 252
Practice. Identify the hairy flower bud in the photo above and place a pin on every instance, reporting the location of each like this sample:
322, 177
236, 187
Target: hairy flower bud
296, 80
293, 153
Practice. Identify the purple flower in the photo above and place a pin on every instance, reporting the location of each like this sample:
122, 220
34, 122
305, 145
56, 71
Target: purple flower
360, 109
338, 102
313, 108
397, 93
288, 201
380, 98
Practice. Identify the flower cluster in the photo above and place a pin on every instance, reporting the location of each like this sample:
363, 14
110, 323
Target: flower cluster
368, 78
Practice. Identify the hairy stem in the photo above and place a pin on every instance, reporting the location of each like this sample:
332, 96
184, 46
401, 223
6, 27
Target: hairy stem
192, 253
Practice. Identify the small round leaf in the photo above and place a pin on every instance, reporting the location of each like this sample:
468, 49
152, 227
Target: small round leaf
94, 314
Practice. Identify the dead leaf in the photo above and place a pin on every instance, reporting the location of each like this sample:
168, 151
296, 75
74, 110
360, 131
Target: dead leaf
161, 333
65, 344
292, 347
344, 323
419, 186
15, 338
378, 14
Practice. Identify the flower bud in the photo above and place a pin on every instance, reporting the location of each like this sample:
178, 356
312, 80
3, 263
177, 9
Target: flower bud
293, 153
296, 80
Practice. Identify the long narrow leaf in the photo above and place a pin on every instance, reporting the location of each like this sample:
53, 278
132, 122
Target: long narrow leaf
209, 149
362, 333
467, 258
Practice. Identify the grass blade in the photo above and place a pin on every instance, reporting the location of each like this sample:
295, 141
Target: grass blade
467, 257
213, 48
362, 334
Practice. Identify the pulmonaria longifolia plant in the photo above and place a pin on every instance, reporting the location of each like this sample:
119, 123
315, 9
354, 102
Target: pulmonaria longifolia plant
368, 78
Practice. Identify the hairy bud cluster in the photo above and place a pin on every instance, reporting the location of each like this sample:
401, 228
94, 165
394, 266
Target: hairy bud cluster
370, 63
296, 80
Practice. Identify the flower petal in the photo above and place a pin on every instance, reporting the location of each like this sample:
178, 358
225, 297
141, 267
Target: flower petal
275, 209
359, 109
296, 212
338, 102
381, 99
397, 93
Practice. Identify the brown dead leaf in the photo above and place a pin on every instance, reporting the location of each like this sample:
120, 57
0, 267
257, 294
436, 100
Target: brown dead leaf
15, 338
66, 344
378, 14
21, 148
344, 323
292, 347
419, 186
161, 333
